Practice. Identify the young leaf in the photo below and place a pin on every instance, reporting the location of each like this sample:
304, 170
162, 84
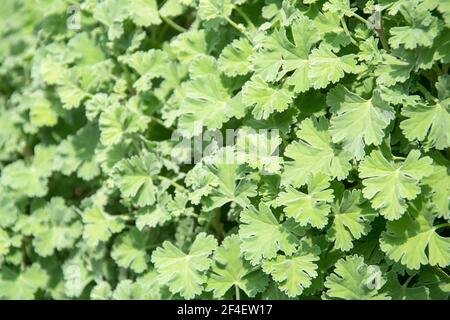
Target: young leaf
230, 269
406, 240
358, 122
185, 272
311, 207
313, 153
262, 235
352, 279
388, 184
293, 273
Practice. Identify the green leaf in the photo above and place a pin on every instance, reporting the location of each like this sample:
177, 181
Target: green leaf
144, 13
439, 182
259, 150
155, 215
388, 184
234, 59
101, 291
149, 65
117, 122
262, 235
312, 207
129, 250
211, 9
145, 287
294, 273
406, 240
53, 226
421, 31
428, 123
134, 178
358, 122
352, 279
30, 180
265, 98
98, 226
42, 111
111, 13
230, 269
7, 241
208, 93
185, 273
313, 153
402, 292
232, 186
77, 154
351, 219
326, 67
22, 285
393, 70
279, 56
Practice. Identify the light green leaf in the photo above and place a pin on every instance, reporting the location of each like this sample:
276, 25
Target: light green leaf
155, 215
294, 273
235, 58
22, 285
98, 226
207, 93
232, 186
259, 150
185, 273
388, 184
54, 227
352, 279
439, 182
77, 153
117, 122
262, 235
230, 269
429, 123
30, 180
406, 240
129, 250
265, 98
358, 122
313, 153
144, 13
326, 67
134, 178
312, 207
352, 215
210, 9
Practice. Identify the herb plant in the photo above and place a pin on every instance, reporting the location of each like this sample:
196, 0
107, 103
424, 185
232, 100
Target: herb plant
100, 199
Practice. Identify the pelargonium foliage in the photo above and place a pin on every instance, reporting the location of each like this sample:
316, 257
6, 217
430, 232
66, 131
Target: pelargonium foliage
99, 199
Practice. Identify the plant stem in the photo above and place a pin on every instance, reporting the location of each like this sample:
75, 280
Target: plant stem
238, 294
357, 16
442, 225
382, 37
442, 272
245, 17
437, 70
405, 285
426, 93
172, 182
173, 24
159, 121
380, 32
344, 26
234, 25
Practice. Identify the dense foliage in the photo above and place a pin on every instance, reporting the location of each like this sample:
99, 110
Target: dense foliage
350, 201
